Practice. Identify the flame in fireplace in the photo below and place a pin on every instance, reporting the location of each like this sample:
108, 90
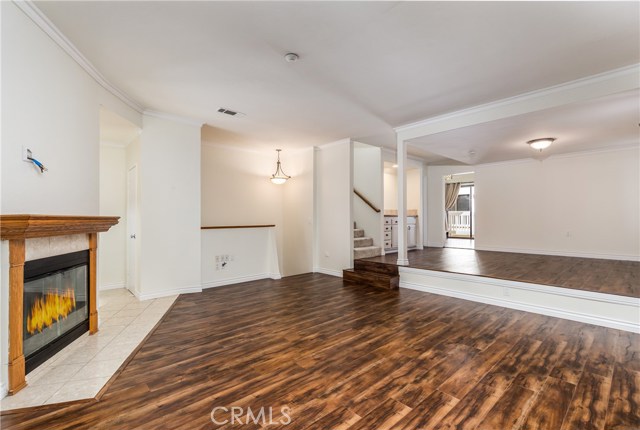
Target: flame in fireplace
50, 308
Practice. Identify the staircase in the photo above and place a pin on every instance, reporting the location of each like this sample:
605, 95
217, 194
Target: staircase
363, 246
372, 274
367, 272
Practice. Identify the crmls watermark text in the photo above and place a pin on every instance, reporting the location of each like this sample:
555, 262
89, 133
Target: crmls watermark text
221, 415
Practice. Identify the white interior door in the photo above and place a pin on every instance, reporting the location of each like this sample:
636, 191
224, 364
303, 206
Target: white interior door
132, 223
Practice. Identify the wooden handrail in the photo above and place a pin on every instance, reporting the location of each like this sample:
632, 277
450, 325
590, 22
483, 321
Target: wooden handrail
364, 199
218, 227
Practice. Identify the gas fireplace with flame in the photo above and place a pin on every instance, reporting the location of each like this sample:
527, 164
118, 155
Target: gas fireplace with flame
56, 305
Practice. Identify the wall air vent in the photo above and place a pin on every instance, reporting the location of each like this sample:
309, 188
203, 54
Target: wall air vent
230, 112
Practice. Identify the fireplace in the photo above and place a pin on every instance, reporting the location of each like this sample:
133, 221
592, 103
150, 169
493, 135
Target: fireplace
46, 230
55, 305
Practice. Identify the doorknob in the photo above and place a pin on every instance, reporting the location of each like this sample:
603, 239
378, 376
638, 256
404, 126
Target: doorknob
133, 236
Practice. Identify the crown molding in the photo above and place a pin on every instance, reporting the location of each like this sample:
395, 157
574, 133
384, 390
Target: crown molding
172, 117
41, 20
604, 150
611, 82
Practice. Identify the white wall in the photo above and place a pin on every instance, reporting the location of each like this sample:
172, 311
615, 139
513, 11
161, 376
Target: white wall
390, 191
414, 188
50, 104
297, 217
581, 204
251, 254
240, 178
169, 183
112, 250
133, 160
367, 179
236, 191
334, 226
584, 204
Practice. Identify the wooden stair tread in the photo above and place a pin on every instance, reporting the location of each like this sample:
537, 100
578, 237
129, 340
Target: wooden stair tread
377, 275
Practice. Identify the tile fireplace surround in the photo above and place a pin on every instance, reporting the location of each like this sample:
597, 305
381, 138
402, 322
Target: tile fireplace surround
32, 237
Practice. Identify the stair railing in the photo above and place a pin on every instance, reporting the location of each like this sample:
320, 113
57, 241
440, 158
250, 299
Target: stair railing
364, 199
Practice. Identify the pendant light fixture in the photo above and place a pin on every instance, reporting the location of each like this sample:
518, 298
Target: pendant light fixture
541, 144
279, 177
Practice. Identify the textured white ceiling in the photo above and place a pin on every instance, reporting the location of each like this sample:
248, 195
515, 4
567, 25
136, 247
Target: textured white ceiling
364, 67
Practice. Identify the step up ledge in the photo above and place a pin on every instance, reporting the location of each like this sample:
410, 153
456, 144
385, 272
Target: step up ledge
376, 267
353, 277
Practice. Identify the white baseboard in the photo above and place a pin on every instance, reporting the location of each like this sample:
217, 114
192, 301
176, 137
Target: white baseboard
3, 390
275, 276
435, 244
166, 293
239, 280
559, 253
606, 310
330, 272
112, 286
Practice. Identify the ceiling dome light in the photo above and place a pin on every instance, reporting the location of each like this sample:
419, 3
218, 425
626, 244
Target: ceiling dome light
279, 177
541, 144
291, 57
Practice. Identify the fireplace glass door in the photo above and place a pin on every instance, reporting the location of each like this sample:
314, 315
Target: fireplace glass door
55, 304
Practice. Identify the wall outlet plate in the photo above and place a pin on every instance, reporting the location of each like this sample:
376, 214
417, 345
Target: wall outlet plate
26, 154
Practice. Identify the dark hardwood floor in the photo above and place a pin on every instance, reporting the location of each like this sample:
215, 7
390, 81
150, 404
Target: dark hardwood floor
617, 277
355, 358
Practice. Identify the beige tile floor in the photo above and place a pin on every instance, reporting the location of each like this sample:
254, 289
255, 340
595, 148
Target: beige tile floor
81, 369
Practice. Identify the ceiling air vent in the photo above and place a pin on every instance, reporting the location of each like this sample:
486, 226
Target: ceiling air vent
230, 112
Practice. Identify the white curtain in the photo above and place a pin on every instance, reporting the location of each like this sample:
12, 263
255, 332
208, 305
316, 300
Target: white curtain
450, 197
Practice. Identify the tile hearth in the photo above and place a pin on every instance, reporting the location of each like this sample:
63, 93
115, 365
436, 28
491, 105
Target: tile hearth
81, 369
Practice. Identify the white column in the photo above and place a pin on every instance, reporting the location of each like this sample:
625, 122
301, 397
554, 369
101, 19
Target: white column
401, 158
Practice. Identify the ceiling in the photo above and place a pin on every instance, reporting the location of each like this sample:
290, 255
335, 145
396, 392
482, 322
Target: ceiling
364, 68
596, 124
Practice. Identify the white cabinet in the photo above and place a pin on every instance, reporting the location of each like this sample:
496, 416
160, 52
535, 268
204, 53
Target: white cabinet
387, 235
394, 236
391, 232
411, 232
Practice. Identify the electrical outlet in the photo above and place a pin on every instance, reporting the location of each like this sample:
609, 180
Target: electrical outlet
26, 154
217, 258
217, 266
